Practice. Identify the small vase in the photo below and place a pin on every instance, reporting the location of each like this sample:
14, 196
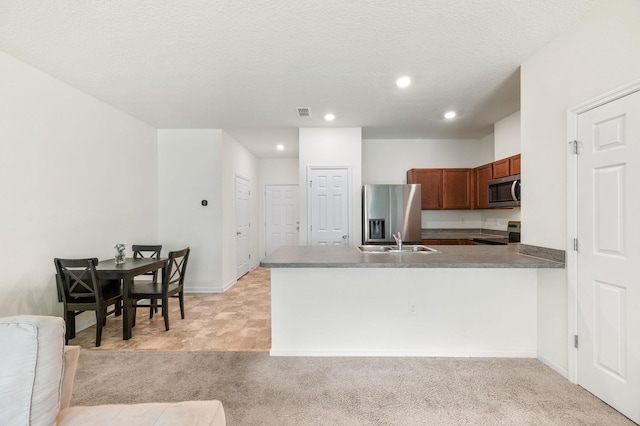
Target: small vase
120, 258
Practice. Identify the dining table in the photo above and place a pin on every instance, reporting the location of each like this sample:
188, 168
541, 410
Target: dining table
126, 272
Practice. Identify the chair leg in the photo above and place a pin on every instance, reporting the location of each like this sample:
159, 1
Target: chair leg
133, 313
165, 312
70, 319
153, 308
100, 318
181, 298
118, 308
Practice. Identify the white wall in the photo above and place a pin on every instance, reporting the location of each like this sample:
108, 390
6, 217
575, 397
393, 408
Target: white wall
273, 171
388, 160
498, 219
189, 163
237, 161
76, 177
507, 139
595, 56
598, 54
332, 147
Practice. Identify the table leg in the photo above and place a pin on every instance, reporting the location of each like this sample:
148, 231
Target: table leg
127, 314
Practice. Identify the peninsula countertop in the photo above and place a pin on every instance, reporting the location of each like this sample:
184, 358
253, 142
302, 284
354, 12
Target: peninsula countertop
488, 256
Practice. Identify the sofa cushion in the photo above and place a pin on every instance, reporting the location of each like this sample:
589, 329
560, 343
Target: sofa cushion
31, 370
193, 413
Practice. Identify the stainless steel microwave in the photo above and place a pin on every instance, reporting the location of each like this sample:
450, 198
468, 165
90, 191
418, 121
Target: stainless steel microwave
505, 192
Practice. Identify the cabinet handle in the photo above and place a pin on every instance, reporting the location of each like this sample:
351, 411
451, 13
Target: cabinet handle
513, 190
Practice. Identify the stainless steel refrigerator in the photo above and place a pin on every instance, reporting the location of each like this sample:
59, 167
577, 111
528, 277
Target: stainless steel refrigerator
388, 209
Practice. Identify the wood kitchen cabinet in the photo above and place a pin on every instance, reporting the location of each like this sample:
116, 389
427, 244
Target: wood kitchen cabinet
447, 242
461, 189
431, 186
457, 193
443, 189
482, 176
506, 167
514, 165
501, 168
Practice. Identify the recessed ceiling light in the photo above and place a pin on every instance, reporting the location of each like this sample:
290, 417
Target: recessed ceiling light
403, 82
449, 115
329, 117
280, 147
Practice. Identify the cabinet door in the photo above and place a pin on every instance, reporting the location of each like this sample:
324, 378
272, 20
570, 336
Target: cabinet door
483, 175
501, 168
514, 165
431, 242
457, 193
431, 189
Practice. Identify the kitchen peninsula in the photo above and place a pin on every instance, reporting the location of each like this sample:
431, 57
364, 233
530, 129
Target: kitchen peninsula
460, 301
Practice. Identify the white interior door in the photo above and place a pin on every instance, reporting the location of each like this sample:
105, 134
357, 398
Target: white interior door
329, 205
282, 221
242, 226
608, 262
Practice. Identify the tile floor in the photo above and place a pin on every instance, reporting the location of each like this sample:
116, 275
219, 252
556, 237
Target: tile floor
237, 320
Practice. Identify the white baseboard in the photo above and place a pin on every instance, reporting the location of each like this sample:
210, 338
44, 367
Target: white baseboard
435, 353
85, 320
228, 285
552, 365
207, 290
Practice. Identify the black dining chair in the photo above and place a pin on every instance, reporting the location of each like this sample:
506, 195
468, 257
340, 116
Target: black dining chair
82, 290
141, 251
147, 251
171, 285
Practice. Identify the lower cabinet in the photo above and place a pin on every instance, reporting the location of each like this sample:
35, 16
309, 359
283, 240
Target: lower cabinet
447, 242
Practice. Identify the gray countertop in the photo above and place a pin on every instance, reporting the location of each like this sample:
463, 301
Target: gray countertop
482, 256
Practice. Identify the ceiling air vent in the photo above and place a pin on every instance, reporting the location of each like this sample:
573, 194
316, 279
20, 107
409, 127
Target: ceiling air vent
304, 111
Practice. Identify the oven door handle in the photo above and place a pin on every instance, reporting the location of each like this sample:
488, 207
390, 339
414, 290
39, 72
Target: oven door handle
513, 190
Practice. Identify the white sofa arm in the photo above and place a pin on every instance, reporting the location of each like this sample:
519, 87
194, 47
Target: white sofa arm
71, 356
31, 370
193, 413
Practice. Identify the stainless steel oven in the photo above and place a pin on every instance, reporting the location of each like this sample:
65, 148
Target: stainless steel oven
513, 236
505, 192
513, 231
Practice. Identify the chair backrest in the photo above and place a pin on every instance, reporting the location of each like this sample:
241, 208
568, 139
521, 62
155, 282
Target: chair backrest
150, 251
176, 268
77, 278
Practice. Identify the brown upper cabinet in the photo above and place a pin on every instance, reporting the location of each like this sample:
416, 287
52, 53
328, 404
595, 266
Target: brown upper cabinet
444, 189
501, 168
431, 186
457, 190
506, 167
461, 189
483, 175
514, 165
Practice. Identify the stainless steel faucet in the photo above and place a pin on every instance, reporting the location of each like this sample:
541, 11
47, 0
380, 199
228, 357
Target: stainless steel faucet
398, 239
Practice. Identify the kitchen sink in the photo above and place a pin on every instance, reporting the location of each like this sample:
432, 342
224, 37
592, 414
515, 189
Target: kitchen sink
408, 248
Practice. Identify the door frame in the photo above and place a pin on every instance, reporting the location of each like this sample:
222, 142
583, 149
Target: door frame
349, 198
235, 195
572, 214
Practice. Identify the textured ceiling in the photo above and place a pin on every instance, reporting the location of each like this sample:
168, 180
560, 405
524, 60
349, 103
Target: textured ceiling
244, 66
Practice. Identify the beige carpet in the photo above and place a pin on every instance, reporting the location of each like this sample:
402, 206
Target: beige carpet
257, 389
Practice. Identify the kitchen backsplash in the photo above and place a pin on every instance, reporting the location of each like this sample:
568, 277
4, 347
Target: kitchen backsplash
495, 219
